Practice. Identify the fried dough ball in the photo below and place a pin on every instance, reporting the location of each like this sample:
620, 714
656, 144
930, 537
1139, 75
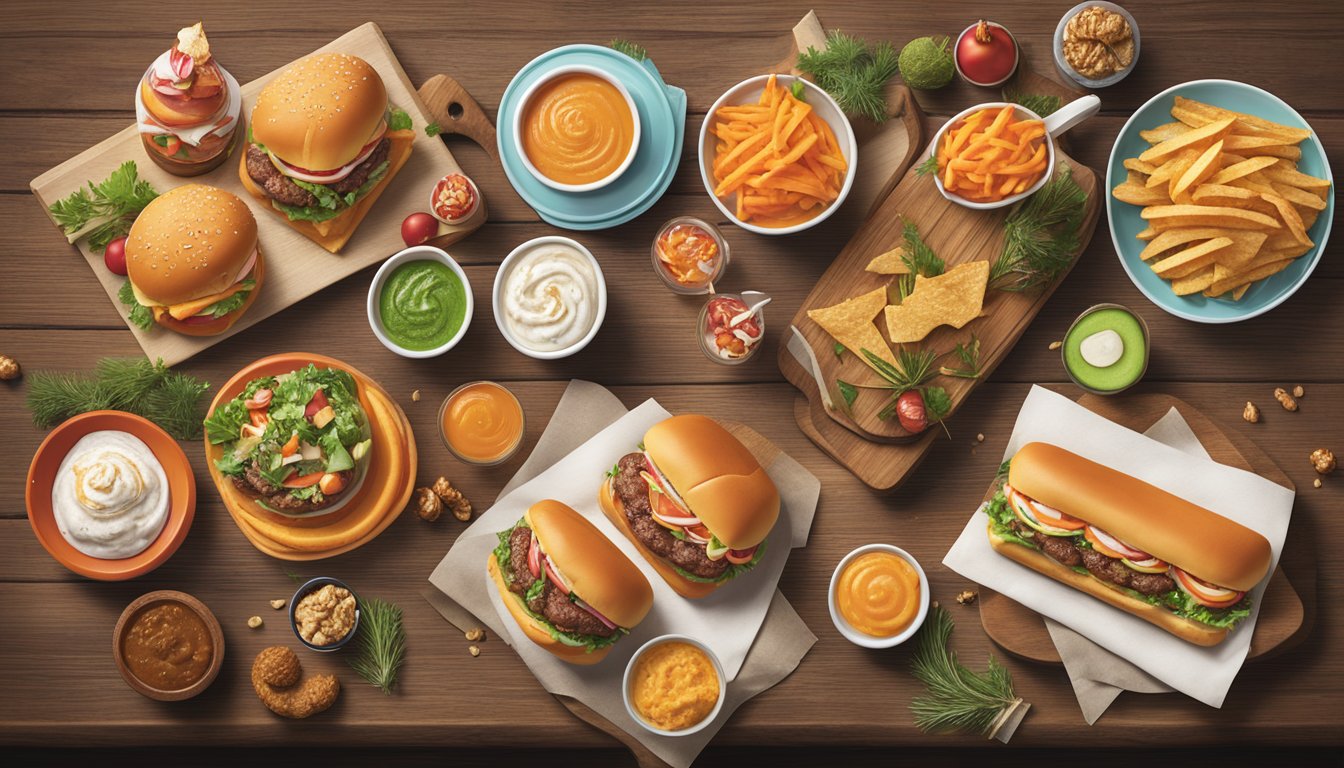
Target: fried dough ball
276, 677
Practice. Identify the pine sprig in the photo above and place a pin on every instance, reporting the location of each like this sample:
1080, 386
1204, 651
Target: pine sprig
1040, 236
969, 355
918, 258
381, 644
170, 399
957, 698
929, 166
852, 72
633, 50
1042, 104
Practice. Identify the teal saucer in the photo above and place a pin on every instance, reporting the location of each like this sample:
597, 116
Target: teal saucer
662, 115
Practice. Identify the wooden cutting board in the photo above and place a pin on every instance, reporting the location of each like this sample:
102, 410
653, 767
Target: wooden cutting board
296, 267
878, 452
1284, 614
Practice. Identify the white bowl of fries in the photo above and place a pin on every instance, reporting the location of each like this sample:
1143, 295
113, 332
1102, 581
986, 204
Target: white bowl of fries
1221, 200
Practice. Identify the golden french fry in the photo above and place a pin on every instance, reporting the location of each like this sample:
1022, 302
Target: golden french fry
1199, 138
1146, 234
1209, 113
1290, 218
1240, 169
1308, 217
1240, 291
1219, 287
1137, 165
1163, 217
1137, 194
1294, 178
1204, 166
1299, 197
1194, 283
1164, 132
1252, 145
1191, 259
1177, 237
1244, 248
1172, 168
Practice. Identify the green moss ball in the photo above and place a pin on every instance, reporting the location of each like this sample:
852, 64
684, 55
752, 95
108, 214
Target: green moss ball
927, 63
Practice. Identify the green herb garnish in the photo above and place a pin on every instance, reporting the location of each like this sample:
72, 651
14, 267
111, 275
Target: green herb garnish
634, 51
853, 72
1040, 236
957, 698
104, 212
1040, 103
918, 257
433, 129
969, 355
848, 392
399, 120
168, 398
381, 643
929, 166
839, 349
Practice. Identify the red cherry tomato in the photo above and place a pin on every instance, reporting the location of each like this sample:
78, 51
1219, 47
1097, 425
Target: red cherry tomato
418, 228
910, 412
114, 256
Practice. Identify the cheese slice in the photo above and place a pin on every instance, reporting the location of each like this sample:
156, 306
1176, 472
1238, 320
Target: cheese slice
187, 308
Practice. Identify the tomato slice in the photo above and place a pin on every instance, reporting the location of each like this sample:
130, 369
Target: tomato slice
303, 481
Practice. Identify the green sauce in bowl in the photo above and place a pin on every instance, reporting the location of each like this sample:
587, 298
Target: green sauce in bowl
422, 305
1133, 359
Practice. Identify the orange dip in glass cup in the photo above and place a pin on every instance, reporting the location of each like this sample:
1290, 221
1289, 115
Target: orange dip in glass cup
481, 423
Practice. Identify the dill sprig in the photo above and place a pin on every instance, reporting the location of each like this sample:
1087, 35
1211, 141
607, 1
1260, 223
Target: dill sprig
633, 50
168, 398
969, 355
381, 643
1040, 235
853, 72
957, 698
1040, 103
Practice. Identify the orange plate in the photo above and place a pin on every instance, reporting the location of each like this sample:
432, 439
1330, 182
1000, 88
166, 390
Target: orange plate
181, 495
392, 467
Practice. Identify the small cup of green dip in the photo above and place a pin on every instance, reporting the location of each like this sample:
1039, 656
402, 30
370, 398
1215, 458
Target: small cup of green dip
1106, 349
420, 302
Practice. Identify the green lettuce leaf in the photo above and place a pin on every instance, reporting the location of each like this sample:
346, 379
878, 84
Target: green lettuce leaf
326, 196
734, 570
232, 303
229, 464
136, 312
398, 120
321, 212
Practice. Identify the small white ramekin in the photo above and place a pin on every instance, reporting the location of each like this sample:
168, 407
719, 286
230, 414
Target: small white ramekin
868, 641
497, 304
417, 253
518, 128
713, 659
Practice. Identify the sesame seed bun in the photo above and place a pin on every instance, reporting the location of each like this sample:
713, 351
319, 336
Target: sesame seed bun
190, 242
321, 111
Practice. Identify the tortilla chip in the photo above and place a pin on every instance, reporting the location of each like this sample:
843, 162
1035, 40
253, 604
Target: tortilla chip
889, 263
851, 323
953, 298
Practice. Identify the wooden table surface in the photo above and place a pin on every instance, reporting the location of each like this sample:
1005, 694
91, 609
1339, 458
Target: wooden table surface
66, 76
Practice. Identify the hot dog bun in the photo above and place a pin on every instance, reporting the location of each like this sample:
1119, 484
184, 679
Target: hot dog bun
1194, 539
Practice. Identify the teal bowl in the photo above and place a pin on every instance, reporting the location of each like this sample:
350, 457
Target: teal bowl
1126, 222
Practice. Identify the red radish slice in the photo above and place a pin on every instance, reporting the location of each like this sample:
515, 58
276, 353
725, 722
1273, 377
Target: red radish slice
664, 484
1205, 593
554, 574
741, 556
1151, 565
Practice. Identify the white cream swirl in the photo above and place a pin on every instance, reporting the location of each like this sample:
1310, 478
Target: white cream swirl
550, 297
110, 498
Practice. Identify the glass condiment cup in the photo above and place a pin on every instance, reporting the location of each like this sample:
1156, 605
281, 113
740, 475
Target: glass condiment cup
501, 458
1147, 347
714, 275
707, 344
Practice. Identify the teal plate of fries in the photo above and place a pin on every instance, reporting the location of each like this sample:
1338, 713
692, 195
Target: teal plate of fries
1265, 200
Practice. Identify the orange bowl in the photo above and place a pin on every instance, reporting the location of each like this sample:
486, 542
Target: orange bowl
378, 501
42, 475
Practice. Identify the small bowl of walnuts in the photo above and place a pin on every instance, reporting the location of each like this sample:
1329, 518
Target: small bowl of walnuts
1096, 44
324, 613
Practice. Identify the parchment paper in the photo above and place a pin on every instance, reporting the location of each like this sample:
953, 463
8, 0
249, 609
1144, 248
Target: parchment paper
588, 433
1205, 674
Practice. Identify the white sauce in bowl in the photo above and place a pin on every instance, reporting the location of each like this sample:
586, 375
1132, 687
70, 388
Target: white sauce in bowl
110, 497
550, 297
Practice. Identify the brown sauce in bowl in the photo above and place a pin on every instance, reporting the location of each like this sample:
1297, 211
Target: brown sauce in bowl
167, 646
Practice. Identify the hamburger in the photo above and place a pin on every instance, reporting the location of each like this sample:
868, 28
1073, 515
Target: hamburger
323, 143
1179, 566
694, 501
569, 588
192, 262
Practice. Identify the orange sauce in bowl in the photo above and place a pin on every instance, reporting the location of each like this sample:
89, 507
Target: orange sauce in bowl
878, 594
482, 422
577, 129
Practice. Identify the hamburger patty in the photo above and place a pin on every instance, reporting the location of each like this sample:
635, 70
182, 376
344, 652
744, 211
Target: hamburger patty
568, 617
283, 189
633, 492
1108, 569
255, 486
520, 576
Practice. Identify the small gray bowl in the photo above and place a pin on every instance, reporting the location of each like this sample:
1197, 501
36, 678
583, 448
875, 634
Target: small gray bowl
310, 586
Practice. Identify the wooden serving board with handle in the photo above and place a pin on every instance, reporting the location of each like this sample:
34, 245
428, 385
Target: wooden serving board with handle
296, 267
879, 452
1285, 612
